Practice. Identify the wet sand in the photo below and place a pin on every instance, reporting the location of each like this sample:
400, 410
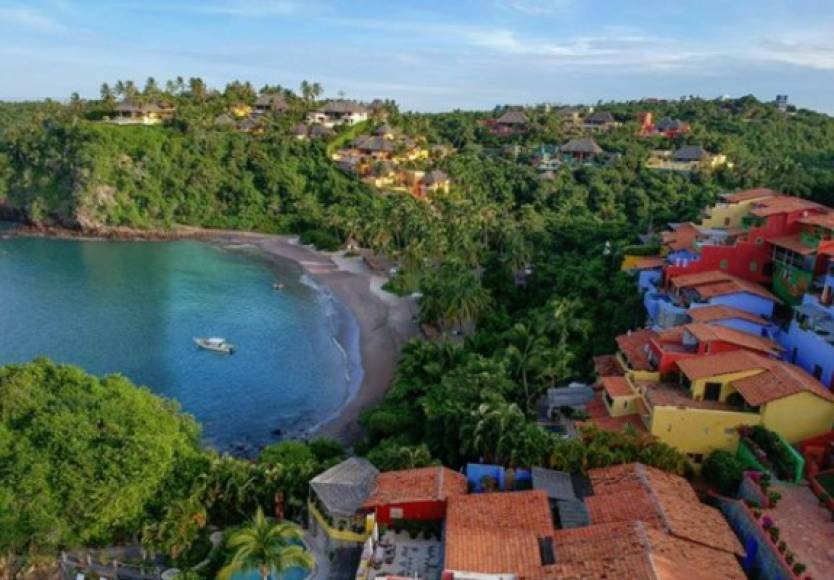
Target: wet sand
385, 320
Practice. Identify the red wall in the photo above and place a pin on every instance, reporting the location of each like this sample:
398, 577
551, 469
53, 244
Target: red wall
738, 259
668, 360
422, 510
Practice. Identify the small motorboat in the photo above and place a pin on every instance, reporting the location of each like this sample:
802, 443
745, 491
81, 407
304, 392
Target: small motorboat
277, 286
215, 344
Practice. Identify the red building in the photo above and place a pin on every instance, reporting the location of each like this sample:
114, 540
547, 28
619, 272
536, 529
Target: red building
744, 251
669, 346
414, 494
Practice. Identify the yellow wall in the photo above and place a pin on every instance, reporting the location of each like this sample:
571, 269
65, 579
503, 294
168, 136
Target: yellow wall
798, 416
734, 211
699, 430
622, 405
241, 110
697, 389
343, 535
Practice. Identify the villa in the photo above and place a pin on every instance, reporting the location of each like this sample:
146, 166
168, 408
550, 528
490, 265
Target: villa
581, 150
339, 112
130, 112
687, 159
667, 127
599, 121
270, 103
433, 182
512, 122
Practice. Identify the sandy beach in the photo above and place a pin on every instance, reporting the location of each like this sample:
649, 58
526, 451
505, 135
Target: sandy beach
385, 320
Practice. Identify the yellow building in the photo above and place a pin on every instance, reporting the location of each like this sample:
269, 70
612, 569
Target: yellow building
717, 394
728, 212
240, 110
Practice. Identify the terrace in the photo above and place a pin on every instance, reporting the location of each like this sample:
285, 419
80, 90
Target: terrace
402, 554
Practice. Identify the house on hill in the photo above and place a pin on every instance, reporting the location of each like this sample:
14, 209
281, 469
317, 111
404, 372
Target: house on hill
434, 181
132, 112
512, 122
689, 158
270, 103
339, 112
599, 121
581, 150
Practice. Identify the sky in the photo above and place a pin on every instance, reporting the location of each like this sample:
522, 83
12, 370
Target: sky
429, 55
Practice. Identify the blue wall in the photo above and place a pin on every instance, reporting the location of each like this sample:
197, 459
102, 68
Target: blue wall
810, 350
747, 302
647, 280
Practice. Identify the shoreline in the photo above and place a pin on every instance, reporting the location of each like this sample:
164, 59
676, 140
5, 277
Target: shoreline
384, 320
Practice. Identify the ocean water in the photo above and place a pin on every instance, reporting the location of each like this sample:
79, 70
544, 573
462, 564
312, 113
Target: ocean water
134, 308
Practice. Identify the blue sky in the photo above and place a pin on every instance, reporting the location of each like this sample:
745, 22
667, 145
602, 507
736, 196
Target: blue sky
429, 54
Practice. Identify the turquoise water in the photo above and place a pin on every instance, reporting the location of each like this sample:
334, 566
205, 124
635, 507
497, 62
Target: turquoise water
133, 308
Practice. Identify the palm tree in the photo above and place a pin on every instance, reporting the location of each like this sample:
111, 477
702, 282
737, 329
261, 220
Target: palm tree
267, 546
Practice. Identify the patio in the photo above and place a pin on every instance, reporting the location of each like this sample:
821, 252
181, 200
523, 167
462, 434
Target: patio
398, 554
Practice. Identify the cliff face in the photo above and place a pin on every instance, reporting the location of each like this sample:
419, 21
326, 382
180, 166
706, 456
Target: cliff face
89, 176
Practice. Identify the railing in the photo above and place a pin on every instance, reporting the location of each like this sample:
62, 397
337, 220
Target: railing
336, 534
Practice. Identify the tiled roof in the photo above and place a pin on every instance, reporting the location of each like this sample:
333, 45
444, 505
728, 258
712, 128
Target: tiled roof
633, 346
682, 237
775, 379
783, 204
718, 283
671, 395
602, 420
749, 194
662, 500
616, 386
496, 532
425, 484
717, 312
794, 244
608, 365
647, 262
709, 333
635, 550
825, 220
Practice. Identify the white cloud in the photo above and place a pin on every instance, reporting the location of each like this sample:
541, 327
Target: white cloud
803, 53
27, 18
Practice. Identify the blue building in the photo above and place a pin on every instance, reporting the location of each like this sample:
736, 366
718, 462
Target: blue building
809, 340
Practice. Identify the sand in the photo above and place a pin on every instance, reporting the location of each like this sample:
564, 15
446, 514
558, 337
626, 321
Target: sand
386, 322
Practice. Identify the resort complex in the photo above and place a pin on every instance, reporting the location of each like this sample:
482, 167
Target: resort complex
530, 342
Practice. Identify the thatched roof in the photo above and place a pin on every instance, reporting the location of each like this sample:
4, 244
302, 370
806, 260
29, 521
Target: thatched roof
275, 102
223, 120
586, 146
344, 487
343, 107
513, 117
600, 118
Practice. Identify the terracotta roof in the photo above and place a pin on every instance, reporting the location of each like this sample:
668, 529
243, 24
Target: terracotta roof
682, 237
783, 204
749, 194
825, 220
794, 244
775, 379
602, 420
496, 532
608, 365
779, 380
709, 333
647, 262
718, 283
717, 312
667, 502
672, 395
616, 386
426, 484
636, 550
633, 346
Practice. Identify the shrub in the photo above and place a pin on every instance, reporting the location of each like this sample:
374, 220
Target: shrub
799, 568
724, 471
773, 497
321, 240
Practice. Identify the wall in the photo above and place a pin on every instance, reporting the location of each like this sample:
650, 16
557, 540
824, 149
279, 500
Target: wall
747, 302
745, 259
416, 510
790, 283
699, 430
743, 326
811, 350
732, 211
622, 405
782, 416
741, 519
698, 386
647, 280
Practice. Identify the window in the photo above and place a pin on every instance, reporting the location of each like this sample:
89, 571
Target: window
712, 391
726, 221
759, 240
724, 264
794, 354
609, 400
696, 458
396, 513
817, 372
754, 265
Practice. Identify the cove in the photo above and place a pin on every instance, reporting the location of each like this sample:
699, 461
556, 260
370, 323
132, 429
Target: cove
134, 307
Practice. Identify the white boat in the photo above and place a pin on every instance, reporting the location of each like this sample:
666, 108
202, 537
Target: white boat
215, 344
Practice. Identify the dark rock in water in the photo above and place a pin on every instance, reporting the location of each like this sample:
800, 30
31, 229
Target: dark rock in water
277, 431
